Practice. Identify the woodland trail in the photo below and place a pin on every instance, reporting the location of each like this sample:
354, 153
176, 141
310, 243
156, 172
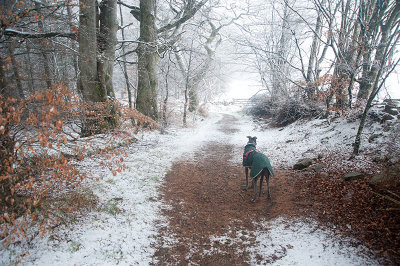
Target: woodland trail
206, 201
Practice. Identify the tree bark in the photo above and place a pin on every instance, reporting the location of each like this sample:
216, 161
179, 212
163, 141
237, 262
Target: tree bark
146, 100
47, 73
73, 44
377, 69
88, 83
310, 79
19, 93
124, 68
107, 41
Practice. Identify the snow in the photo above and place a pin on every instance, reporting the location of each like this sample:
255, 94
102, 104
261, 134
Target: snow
124, 231
295, 242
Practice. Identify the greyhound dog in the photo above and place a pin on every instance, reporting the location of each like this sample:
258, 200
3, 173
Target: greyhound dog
259, 166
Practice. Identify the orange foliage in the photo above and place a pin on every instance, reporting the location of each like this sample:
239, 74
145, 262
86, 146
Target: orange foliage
37, 146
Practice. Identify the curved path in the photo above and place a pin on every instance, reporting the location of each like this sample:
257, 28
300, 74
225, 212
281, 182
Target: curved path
211, 220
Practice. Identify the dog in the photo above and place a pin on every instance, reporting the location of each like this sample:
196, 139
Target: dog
259, 166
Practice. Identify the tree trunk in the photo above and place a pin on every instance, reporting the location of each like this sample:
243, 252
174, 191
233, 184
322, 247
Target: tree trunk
124, 68
88, 83
165, 103
73, 44
146, 100
29, 68
185, 105
380, 53
107, 41
310, 79
6, 144
19, 93
377, 69
47, 73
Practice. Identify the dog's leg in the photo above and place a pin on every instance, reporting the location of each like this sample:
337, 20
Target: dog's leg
246, 170
261, 182
267, 179
254, 182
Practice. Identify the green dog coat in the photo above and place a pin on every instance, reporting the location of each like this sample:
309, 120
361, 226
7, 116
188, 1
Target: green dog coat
256, 160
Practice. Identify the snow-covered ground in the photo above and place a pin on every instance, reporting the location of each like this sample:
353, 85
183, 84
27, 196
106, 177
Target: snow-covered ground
126, 236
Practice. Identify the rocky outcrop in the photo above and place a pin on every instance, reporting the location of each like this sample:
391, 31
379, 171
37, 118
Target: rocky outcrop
302, 164
390, 176
353, 176
392, 108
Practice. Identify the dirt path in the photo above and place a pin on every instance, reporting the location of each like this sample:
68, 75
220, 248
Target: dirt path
207, 201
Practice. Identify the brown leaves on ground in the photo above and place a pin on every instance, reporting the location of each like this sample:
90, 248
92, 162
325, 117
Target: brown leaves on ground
356, 208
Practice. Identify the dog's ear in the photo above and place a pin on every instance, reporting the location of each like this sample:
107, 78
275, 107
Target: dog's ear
255, 138
249, 137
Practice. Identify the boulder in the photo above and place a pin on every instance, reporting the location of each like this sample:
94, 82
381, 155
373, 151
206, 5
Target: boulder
390, 110
317, 167
379, 179
324, 175
387, 117
302, 164
390, 176
392, 102
353, 176
373, 137
374, 116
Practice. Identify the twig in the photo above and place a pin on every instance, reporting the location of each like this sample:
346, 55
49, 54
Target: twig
390, 209
241, 196
394, 194
387, 197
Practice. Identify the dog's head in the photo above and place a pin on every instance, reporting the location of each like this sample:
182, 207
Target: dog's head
252, 140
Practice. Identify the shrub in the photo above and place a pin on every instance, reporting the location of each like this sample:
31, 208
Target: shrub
285, 112
39, 137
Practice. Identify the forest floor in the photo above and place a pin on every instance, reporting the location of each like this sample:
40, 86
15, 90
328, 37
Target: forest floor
180, 201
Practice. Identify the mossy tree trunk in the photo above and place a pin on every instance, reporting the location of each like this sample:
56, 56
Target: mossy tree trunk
107, 40
88, 83
97, 40
146, 100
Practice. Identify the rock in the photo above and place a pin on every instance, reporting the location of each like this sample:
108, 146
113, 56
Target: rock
389, 109
373, 137
387, 128
389, 176
374, 116
392, 102
387, 117
379, 179
353, 176
324, 175
317, 167
302, 164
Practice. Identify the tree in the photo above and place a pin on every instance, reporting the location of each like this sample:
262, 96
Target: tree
150, 45
97, 40
97, 50
88, 83
147, 52
389, 35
